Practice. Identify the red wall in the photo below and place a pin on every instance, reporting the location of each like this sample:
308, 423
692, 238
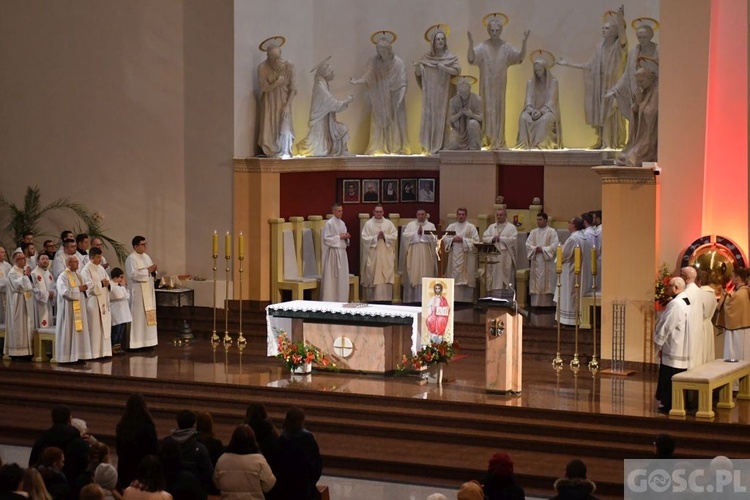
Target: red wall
313, 193
520, 184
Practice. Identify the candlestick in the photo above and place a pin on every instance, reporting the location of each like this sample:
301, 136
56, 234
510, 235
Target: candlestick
593, 261
557, 363
241, 250
227, 339
214, 336
215, 247
577, 260
241, 340
558, 263
228, 246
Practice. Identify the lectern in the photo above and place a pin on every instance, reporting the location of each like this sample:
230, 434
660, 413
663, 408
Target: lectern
504, 337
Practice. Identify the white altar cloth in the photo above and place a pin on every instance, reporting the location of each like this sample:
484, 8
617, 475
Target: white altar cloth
277, 324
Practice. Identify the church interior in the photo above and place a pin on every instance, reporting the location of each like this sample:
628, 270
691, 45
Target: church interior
148, 113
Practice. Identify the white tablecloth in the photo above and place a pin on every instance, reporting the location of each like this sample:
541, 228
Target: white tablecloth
275, 325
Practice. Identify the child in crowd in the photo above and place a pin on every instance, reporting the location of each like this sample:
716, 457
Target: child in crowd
119, 300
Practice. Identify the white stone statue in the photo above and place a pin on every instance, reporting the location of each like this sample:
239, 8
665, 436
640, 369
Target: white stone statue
326, 137
386, 78
465, 117
643, 144
539, 124
600, 74
433, 73
493, 56
277, 90
626, 88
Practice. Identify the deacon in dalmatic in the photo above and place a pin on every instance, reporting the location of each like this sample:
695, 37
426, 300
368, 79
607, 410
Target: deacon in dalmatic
421, 260
461, 265
334, 284
97, 305
379, 239
502, 264
566, 299
541, 246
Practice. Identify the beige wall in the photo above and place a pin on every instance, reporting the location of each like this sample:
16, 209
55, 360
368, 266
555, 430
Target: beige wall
125, 107
342, 28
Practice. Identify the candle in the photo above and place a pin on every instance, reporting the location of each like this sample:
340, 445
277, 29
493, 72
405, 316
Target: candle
577, 259
558, 264
242, 246
593, 261
215, 251
228, 246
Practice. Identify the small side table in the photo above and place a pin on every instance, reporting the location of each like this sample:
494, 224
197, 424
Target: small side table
178, 297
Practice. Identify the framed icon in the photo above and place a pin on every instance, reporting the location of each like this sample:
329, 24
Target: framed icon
426, 190
370, 190
408, 190
389, 191
350, 189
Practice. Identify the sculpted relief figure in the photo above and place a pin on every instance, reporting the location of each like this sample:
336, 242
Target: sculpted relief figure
433, 73
643, 143
539, 124
493, 56
600, 74
277, 90
327, 137
386, 79
465, 117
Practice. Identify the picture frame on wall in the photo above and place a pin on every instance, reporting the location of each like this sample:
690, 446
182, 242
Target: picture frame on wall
426, 192
350, 189
389, 191
370, 190
408, 190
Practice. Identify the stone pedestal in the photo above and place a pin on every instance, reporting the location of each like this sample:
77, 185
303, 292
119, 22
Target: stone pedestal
504, 337
629, 249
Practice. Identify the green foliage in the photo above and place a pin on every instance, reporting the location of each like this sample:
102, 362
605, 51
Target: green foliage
28, 218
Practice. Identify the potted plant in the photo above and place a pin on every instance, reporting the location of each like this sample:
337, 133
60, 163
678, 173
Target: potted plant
301, 355
431, 357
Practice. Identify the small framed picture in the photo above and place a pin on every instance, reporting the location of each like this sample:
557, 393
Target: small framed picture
389, 191
350, 189
370, 190
408, 190
426, 190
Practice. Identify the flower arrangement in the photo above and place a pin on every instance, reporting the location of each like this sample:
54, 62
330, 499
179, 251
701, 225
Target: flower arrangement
660, 288
434, 352
296, 354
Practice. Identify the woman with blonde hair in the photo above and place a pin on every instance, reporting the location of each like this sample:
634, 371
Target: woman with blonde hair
33, 484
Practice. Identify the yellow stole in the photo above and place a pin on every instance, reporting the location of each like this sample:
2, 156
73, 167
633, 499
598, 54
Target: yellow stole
149, 308
77, 319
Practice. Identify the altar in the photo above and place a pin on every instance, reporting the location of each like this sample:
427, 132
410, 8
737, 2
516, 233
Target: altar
360, 337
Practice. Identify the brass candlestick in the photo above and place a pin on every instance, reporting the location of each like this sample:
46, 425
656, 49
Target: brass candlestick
594, 363
214, 337
227, 339
575, 363
557, 363
241, 341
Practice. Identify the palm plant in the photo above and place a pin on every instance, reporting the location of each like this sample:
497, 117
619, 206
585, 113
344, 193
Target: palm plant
27, 219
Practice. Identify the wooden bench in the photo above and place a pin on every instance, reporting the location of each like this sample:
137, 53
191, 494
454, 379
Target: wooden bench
716, 374
2, 336
42, 337
587, 305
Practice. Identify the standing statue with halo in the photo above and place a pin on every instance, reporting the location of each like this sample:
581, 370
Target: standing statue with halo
277, 90
433, 73
493, 56
386, 78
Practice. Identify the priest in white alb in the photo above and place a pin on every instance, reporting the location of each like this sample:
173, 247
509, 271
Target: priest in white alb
379, 240
139, 269
695, 316
73, 341
709, 302
462, 263
334, 283
501, 272
97, 305
44, 292
419, 239
19, 319
567, 302
541, 246
4, 269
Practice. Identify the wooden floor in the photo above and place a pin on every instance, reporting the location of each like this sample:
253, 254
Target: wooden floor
384, 427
